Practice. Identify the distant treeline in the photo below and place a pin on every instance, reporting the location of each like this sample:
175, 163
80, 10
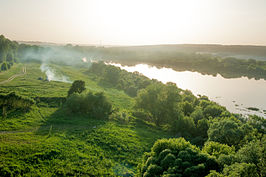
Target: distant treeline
179, 57
181, 61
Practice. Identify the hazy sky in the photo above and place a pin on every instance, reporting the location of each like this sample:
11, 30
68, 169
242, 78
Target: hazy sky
134, 22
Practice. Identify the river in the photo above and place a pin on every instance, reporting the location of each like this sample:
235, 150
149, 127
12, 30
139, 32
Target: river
235, 94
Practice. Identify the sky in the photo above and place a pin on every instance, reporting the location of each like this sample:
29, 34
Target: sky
135, 22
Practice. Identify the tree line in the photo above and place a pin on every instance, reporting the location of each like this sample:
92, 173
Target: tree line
160, 56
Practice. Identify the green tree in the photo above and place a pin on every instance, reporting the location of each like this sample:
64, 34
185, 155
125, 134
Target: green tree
161, 101
213, 111
111, 75
241, 170
253, 152
202, 128
176, 157
90, 104
216, 149
78, 86
227, 131
197, 114
184, 125
187, 108
257, 122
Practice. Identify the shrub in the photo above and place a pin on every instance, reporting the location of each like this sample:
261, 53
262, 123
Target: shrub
176, 157
90, 104
12, 101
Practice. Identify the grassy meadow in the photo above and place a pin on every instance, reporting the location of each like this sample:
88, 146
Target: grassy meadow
47, 142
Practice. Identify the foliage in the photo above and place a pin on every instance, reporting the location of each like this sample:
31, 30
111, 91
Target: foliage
213, 111
240, 169
160, 101
216, 149
91, 104
77, 86
197, 114
176, 157
253, 152
8, 53
229, 131
202, 128
257, 122
12, 101
113, 76
187, 108
185, 126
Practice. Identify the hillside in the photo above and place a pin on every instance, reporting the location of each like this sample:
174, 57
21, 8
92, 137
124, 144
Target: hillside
48, 139
45, 140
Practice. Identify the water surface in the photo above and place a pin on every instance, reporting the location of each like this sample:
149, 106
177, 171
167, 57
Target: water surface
235, 94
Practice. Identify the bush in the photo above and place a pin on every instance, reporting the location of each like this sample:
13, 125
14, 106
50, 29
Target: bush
176, 157
90, 104
12, 101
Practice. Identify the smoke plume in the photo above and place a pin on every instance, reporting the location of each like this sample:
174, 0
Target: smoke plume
52, 75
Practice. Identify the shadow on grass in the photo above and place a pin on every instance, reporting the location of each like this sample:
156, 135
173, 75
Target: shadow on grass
60, 122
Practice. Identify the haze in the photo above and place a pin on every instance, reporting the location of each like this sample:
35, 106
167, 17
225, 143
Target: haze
135, 22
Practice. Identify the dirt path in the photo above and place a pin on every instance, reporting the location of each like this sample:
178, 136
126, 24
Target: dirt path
24, 71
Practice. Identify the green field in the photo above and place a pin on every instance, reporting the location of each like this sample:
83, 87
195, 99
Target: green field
46, 142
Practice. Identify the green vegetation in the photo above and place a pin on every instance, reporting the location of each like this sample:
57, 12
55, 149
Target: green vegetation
91, 104
13, 102
229, 67
111, 76
176, 157
8, 53
110, 122
78, 86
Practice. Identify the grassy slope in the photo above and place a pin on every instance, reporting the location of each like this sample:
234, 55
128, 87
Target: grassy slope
47, 141
15, 69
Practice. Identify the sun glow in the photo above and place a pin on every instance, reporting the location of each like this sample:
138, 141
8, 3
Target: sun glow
149, 21
135, 22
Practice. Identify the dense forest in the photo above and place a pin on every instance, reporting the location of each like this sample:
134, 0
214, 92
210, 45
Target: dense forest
110, 122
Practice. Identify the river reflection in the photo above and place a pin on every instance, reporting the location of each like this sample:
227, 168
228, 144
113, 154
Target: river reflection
235, 94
